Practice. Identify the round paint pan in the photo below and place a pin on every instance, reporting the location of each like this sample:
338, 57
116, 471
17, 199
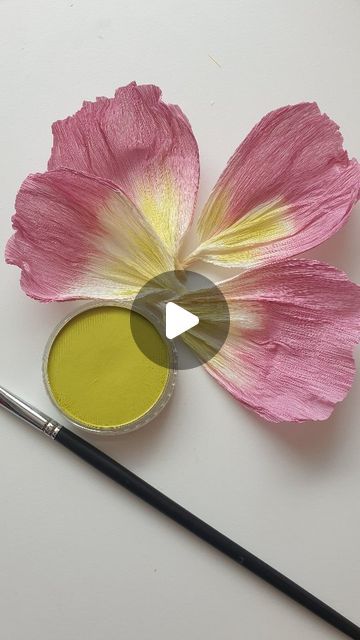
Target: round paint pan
97, 376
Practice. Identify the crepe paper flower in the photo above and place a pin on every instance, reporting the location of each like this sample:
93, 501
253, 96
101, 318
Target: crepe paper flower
119, 195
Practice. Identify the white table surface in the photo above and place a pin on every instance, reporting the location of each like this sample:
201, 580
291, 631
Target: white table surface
79, 557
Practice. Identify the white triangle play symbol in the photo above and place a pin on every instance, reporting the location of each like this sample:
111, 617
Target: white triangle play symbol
178, 320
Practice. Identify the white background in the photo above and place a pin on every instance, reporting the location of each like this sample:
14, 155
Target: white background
79, 557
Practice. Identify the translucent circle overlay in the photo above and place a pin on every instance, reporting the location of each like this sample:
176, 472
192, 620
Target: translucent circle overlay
194, 293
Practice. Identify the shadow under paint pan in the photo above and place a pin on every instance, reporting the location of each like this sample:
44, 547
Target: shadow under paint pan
97, 376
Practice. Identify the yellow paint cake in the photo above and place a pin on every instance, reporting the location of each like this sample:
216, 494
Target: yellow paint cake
97, 375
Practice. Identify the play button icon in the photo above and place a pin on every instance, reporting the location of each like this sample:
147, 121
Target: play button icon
178, 320
190, 313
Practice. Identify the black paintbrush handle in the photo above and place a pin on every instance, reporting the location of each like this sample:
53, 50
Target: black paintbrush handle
152, 496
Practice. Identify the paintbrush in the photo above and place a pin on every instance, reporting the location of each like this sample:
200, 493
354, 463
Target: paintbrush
152, 496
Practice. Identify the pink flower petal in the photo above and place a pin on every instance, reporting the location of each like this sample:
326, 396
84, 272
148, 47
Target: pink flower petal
80, 237
288, 355
287, 188
141, 144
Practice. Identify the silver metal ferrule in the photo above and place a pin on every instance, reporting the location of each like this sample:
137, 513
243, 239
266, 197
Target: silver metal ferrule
29, 414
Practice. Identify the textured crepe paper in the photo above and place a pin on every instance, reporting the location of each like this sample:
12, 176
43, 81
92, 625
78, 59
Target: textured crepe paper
114, 206
97, 374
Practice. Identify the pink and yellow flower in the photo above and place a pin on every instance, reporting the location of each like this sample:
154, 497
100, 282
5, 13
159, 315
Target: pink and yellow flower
119, 196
